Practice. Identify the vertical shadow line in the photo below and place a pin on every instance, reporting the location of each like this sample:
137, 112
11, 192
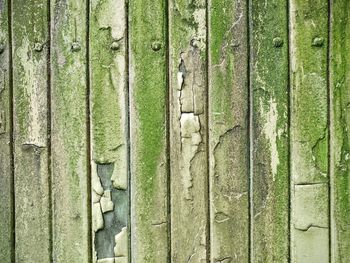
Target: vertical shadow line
168, 99
250, 124
289, 129
207, 11
88, 131
127, 112
49, 148
329, 133
12, 148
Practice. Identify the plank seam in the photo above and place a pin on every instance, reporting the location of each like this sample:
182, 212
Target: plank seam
12, 159
329, 135
208, 245
88, 132
168, 99
250, 129
49, 148
289, 131
127, 112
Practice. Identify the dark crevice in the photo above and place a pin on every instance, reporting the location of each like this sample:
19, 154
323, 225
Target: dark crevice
12, 160
88, 133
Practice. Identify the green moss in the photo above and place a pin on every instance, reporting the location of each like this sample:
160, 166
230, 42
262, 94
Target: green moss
270, 108
150, 97
340, 130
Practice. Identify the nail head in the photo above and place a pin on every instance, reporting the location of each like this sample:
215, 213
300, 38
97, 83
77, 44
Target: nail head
38, 47
76, 47
318, 42
156, 46
278, 42
115, 45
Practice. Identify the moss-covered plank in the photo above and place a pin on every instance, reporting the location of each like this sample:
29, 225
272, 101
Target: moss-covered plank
30, 54
309, 131
68, 132
270, 173
188, 131
109, 102
340, 129
148, 127
229, 143
6, 176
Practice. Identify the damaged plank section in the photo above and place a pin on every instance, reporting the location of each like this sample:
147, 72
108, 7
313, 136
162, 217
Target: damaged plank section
148, 126
31, 178
229, 144
309, 131
69, 157
6, 175
188, 131
340, 130
109, 102
270, 142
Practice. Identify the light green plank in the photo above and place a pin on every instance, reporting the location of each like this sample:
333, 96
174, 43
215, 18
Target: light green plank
109, 164
228, 115
269, 84
6, 202
309, 131
340, 129
148, 127
30, 52
68, 135
188, 131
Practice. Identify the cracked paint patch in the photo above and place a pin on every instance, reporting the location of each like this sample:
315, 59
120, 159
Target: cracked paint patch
109, 210
190, 140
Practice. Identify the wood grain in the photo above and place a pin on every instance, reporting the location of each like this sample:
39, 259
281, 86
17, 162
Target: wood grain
30, 83
309, 131
270, 142
228, 138
69, 146
148, 127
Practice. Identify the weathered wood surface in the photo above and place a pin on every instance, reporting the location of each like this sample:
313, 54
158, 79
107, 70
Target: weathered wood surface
6, 174
309, 131
69, 145
340, 130
174, 131
228, 122
269, 95
109, 102
30, 83
148, 128
188, 131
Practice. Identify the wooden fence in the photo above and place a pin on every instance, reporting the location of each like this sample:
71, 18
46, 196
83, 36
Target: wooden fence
183, 131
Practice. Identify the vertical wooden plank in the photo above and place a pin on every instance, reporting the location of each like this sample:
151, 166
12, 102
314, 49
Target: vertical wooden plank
109, 164
30, 52
309, 131
340, 129
6, 180
188, 131
148, 127
229, 144
68, 134
269, 87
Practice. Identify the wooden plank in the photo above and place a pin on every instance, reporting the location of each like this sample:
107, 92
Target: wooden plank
309, 131
6, 176
229, 143
270, 142
340, 129
148, 127
109, 164
30, 53
188, 131
68, 134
